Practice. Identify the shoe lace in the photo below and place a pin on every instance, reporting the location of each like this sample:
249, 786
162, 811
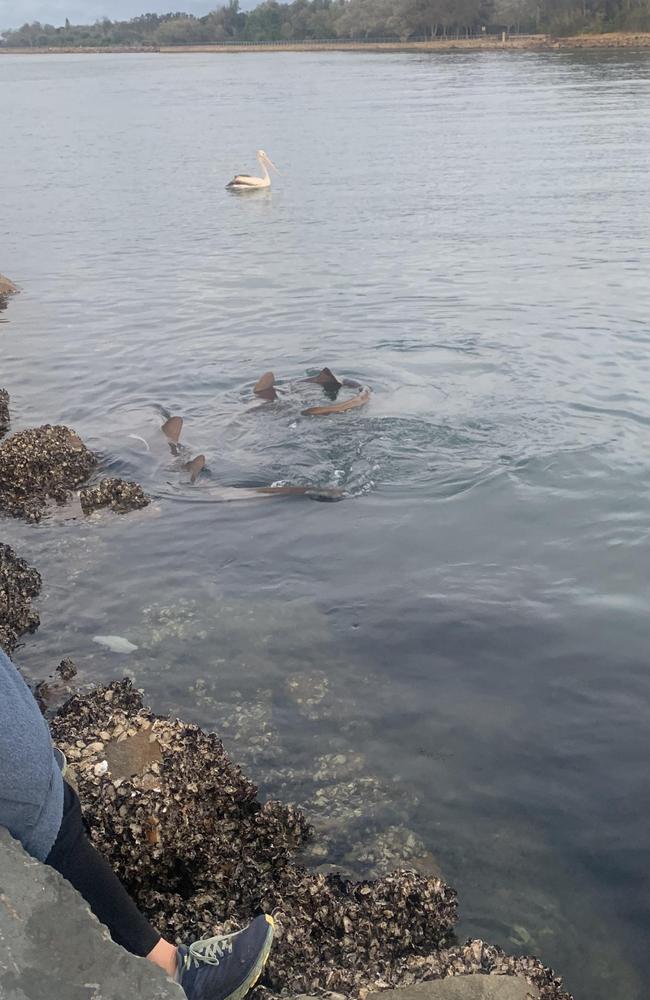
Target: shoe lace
208, 951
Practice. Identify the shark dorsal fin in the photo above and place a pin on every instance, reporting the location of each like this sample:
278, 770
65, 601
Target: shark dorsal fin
195, 467
265, 387
325, 377
172, 429
264, 382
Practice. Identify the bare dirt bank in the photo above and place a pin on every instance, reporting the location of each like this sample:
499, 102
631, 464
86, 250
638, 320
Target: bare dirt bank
610, 40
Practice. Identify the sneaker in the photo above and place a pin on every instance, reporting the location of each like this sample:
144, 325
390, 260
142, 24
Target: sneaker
227, 967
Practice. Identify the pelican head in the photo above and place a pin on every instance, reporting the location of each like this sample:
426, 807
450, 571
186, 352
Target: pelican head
265, 159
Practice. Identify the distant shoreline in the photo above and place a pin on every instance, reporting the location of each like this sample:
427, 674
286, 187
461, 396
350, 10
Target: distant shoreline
543, 43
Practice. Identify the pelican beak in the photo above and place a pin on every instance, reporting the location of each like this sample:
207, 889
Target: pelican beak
272, 164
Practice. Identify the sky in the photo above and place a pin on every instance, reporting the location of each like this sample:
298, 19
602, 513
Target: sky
13, 13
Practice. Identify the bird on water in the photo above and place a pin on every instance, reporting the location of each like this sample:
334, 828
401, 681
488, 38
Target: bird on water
245, 182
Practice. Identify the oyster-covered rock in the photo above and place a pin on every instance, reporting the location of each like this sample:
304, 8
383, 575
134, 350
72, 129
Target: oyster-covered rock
19, 583
201, 854
51, 692
245, 724
4, 412
117, 494
186, 832
41, 464
393, 847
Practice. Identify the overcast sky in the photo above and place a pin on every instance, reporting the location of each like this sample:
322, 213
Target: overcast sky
13, 13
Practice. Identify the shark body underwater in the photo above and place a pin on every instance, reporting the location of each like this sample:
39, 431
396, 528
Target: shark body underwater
265, 389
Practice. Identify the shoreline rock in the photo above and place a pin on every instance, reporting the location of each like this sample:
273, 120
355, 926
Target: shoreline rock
19, 583
4, 412
52, 945
49, 462
186, 833
200, 854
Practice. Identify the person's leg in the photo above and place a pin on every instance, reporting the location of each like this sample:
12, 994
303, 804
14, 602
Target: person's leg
74, 857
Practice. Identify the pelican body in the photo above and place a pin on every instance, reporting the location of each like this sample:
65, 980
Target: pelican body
244, 182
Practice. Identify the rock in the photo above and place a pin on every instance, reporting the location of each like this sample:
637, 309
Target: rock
480, 961
66, 669
54, 948
7, 287
473, 987
131, 756
201, 854
117, 494
41, 464
4, 412
51, 692
185, 831
393, 847
18, 584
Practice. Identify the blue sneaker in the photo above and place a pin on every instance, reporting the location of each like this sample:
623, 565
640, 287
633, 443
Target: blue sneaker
227, 967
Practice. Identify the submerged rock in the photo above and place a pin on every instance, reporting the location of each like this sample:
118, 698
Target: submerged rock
185, 831
4, 412
19, 583
41, 464
245, 723
67, 669
52, 946
117, 494
393, 847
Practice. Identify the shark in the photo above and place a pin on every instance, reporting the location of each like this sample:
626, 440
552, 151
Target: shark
265, 388
172, 429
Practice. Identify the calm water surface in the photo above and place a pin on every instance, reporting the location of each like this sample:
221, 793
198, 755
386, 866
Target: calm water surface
453, 661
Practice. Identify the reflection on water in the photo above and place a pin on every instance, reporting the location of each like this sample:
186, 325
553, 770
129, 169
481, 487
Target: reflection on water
449, 668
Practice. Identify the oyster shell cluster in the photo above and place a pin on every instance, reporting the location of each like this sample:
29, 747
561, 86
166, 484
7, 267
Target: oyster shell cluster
200, 854
186, 832
41, 464
4, 412
19, 583
51, 692
117, 494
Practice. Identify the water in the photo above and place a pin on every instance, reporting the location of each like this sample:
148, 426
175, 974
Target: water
466, 635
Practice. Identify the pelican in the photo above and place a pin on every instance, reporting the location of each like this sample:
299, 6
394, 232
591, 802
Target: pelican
244, 182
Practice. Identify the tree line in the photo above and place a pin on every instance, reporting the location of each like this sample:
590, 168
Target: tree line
356, 20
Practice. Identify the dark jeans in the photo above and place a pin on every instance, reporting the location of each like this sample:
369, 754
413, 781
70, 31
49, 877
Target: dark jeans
77, 860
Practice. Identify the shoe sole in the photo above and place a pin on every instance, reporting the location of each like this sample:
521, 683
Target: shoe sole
251, 979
